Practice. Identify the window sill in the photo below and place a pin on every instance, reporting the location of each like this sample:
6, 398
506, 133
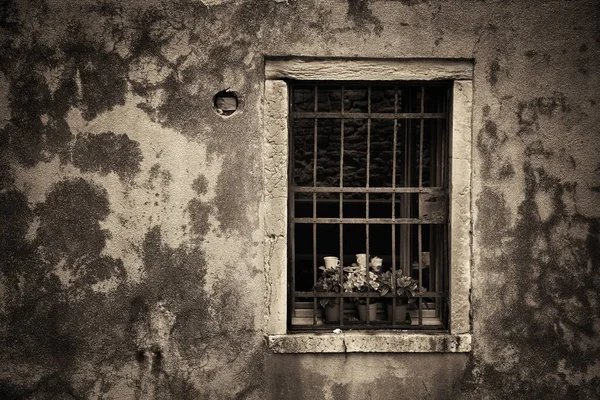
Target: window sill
376, 342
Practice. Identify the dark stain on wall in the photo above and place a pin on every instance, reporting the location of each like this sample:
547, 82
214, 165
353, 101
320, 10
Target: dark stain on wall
361, 15
528, 113
174, 278
25, 135
551, 322
102, 75
107, 152
15, 252
69, 221
536, 148
199, 212
46, 322
489, 142
200, 185
6, 178
494, 71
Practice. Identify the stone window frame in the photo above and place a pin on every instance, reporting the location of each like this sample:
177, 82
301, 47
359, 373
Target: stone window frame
275, 202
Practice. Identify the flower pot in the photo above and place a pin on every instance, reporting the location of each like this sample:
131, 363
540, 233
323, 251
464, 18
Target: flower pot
362, 312
332, 314
401, 310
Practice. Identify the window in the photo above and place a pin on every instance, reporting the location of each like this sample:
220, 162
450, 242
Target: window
368, 157
368, 181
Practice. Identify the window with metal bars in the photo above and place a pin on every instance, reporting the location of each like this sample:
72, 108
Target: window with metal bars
368, 189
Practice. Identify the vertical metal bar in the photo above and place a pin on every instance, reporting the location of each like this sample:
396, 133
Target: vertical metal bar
314, 204
406, 235
446, 183
419, 249
394, 207
407, 201
291, 224
421, 128
367, 194
341, 299
420, 227
438, 264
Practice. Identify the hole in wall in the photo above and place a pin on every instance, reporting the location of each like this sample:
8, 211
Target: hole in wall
226, 102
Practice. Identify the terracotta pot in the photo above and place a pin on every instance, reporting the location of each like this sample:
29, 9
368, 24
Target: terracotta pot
362, 311
401, 311
332, 314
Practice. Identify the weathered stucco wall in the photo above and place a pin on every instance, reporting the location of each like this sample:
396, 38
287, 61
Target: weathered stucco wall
130, 246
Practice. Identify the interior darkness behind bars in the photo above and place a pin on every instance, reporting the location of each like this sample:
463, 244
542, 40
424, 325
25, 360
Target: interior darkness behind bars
394, 138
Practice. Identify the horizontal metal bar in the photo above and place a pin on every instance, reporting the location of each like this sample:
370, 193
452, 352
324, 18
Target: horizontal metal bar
336, 189
364, 294
375, 325
351, 115
367, 220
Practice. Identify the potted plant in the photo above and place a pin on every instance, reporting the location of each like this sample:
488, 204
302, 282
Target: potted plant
329, 281
356, 281
404, 291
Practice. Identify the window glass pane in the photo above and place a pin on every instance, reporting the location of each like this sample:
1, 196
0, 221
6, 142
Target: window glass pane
354, 205
436, 134
328, 205
303, 142
382, 153
428, 130
434, 139
370, 139
405, 240
303, 257
328, 241
436, 99
380, 205
380, 243
407, 156
355, 153
382, 99
328, 152
409, 98
330, 98
355, 242
356, 99
407, 205
303, 98
303, 205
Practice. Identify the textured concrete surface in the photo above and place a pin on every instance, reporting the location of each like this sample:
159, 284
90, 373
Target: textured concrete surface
130, 247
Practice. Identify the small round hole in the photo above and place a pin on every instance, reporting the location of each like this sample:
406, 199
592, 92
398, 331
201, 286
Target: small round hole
226, 102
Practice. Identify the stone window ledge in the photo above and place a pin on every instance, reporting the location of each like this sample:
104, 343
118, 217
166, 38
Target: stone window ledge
367, 342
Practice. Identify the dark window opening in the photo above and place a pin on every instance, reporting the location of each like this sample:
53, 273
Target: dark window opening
369, 191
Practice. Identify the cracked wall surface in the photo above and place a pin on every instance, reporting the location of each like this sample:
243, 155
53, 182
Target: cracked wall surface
131, 248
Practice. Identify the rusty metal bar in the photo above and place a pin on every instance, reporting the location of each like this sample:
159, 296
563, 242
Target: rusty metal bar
291, 225
367, 194
420, 227
341, 197
405, 235
393, 227
323, 220
314, 211
439, 191
355, 115
364, 294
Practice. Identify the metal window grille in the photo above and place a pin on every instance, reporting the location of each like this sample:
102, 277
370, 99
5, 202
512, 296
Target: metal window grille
369, 174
